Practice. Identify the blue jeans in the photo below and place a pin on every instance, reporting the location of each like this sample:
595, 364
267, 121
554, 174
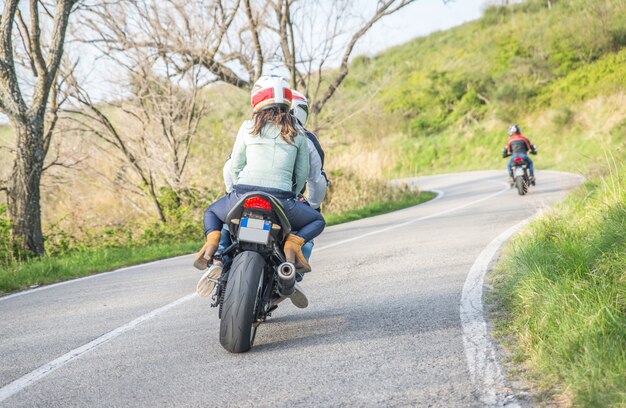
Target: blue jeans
531, 166
307, 248
308, 222
225, 240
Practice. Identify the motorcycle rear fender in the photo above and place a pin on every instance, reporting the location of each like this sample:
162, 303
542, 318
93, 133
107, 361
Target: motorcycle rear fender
276, 214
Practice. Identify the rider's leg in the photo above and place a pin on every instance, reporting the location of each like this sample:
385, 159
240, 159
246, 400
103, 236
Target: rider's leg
306, 221
212, 228
214, 217
531, 166
309, 224
509, 166
307, 249
225, 242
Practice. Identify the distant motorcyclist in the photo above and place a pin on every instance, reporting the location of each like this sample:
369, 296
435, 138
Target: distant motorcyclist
519, 146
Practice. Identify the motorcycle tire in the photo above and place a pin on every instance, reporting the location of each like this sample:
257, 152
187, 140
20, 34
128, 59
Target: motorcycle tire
245, 286
521, 185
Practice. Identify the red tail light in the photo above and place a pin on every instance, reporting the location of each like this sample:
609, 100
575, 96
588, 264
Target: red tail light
258, 203
518, 160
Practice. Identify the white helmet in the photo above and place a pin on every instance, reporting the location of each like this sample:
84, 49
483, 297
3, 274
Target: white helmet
300, 107
514, 129
270, 91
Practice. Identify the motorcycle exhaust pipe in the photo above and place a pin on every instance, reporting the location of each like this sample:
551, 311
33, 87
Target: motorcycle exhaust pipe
286, 278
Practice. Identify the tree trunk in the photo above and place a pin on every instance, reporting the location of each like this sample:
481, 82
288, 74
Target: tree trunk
24, 193
157, 203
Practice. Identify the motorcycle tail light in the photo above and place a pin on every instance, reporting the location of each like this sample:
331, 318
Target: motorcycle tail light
258, 203
518, 160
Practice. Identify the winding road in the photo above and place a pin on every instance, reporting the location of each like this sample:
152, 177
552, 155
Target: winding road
395, 319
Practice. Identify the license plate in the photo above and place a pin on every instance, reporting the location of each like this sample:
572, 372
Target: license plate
519, 171
254, 230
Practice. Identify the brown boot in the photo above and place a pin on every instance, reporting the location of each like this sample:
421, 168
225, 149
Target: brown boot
293, 253
204, 256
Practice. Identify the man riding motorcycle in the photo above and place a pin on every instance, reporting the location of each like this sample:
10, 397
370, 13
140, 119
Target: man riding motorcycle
519, 146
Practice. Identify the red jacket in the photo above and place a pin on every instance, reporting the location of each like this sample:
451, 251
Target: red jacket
518, 144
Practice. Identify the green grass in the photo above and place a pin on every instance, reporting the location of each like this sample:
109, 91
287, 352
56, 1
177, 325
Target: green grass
51, 269
370, 210
78, 263
563, 286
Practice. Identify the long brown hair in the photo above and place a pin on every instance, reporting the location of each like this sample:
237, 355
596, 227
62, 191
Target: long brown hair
281, 118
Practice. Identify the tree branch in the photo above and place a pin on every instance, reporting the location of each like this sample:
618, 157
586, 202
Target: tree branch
384, 9
35, 40
10, 95
60, 22
254, 29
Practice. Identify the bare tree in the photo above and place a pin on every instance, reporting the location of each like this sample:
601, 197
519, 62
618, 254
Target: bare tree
300, 22
148, 131
28, 104
236, 41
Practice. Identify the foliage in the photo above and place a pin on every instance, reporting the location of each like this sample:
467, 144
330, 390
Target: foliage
406, 199
563, 284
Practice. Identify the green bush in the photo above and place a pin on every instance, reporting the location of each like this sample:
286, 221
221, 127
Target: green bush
495, 15
562, 117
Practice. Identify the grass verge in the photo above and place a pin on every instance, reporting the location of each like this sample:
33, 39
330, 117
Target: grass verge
562, 285
406, 200
51, 269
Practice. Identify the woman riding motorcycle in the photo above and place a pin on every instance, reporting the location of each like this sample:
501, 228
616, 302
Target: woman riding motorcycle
269, 154
316, 183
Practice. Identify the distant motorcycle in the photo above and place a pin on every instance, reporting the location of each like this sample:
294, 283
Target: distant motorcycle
521, 174
521, 177
256, 276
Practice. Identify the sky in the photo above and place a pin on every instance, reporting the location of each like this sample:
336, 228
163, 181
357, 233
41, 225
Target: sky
418, 19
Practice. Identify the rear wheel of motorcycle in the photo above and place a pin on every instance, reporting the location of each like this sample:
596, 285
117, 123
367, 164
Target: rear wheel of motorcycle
521, 185
245, 284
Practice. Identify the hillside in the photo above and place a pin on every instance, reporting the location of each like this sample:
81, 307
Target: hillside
444, 102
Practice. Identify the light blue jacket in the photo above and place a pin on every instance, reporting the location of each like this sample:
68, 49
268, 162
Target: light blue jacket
266, 160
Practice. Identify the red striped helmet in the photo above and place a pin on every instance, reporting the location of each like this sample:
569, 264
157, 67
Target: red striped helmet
270, 91
300, 107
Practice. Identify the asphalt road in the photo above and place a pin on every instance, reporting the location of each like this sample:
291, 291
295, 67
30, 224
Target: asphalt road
383, 327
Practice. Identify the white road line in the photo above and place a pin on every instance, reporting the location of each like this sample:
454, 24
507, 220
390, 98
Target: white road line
36, 375
485, 371
404, 224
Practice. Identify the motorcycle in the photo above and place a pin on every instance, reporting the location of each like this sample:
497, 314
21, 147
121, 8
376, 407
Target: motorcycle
521, 177
256, 275
521, 174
